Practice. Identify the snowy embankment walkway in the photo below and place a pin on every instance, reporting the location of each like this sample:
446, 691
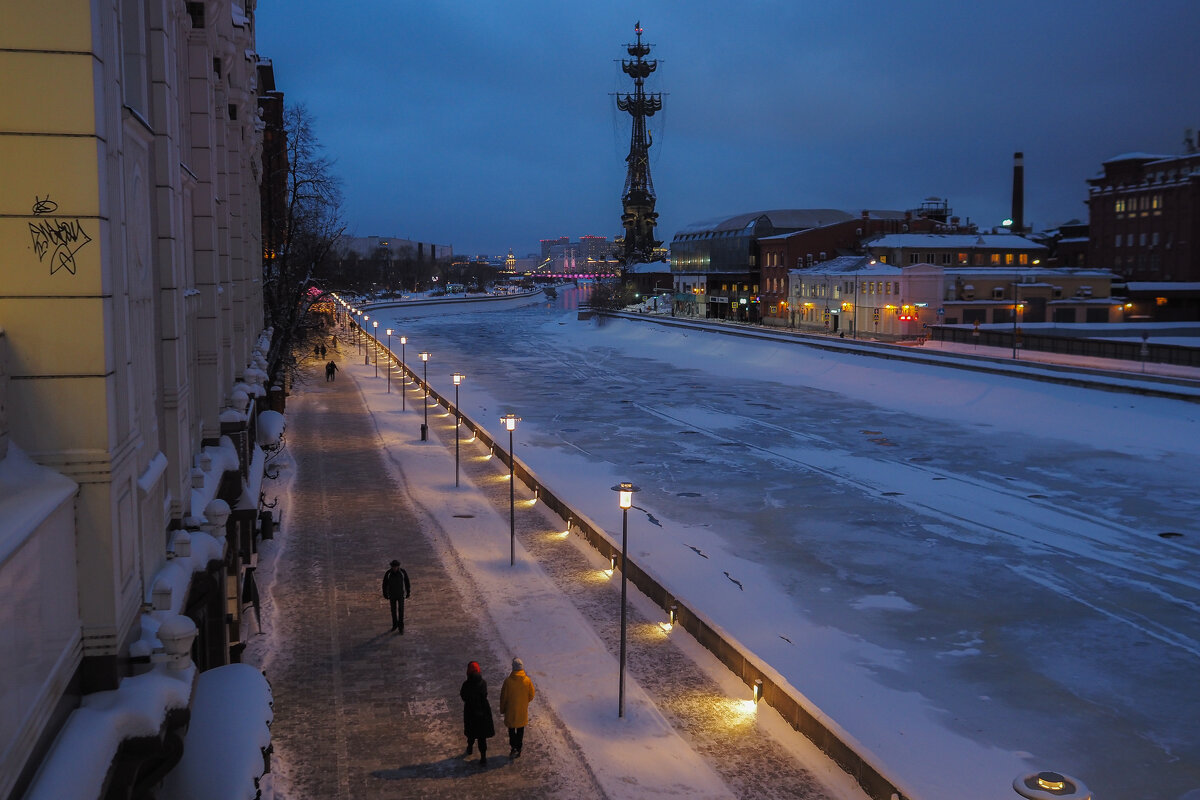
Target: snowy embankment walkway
1151, 379
387, 707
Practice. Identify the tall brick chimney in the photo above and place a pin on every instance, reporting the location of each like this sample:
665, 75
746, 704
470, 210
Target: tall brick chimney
1018, 195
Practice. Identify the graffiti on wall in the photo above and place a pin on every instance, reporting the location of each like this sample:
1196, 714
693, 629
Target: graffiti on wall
56, 238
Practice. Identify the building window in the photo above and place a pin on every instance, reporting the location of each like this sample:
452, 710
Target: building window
1119, 205
914, 258
995, 259
1118, 242
1129, 240
1141, 240
1008, 258
1024, 258
883, 259
946, 259
1154, 239
929, 258
962, 258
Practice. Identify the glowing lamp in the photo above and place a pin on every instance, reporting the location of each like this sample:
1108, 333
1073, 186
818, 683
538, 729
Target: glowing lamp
757, 691
458, 378
625, 492
403, 340
424, 356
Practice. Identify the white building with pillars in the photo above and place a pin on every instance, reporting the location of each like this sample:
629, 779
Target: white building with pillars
131, 383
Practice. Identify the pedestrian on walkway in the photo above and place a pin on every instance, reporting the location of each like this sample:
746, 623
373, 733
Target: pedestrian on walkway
396, 589
515, 695
322, 351
330, 369
316, 349
477, 712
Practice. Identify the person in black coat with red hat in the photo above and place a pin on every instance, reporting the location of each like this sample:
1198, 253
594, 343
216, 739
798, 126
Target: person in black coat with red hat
477, 712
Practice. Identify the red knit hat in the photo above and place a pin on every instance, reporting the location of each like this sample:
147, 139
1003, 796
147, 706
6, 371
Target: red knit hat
473, 668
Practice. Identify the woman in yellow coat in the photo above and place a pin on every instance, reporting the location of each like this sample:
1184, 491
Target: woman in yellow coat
515, 695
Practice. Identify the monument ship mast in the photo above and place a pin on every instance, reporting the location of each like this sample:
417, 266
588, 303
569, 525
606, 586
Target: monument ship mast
639, 216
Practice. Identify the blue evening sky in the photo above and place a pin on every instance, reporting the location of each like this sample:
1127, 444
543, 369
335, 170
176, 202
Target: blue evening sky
491, 125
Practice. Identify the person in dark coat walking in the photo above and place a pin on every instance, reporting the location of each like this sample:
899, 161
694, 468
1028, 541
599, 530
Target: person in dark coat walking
330, 369
396, 589
477, 712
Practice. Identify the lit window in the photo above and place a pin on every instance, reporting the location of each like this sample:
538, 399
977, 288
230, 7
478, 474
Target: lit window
1024, 258
1008, 258
995, 259
1118, 242
1119, 206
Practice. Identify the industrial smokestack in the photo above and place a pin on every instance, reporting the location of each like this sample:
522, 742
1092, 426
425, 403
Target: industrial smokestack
1018, 196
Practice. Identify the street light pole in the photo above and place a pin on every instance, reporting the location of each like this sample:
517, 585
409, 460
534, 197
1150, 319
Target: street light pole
375, 325
458, 379
425, 368
389, 368
625, 495
366, 353
510, 422
403, 375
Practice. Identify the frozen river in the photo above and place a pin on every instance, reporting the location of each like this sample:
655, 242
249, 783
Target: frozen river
924, 552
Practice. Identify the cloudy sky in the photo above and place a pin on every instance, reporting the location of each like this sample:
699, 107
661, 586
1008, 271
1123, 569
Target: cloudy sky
491, 125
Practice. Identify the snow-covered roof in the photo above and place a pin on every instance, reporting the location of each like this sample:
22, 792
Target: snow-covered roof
1074, 240
780, 218
964, 241
844, 264
1135, 157
1162, 286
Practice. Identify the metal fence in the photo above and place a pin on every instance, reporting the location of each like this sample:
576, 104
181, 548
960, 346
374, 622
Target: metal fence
1147, 351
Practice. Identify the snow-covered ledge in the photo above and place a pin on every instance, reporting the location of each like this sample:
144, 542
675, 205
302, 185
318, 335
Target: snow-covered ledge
228, 739
84, 750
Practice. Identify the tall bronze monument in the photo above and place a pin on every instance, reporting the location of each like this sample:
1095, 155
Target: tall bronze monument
639, 216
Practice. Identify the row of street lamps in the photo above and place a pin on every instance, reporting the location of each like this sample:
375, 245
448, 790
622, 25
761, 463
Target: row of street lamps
509, 421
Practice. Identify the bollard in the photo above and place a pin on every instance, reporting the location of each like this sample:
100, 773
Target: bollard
424, 432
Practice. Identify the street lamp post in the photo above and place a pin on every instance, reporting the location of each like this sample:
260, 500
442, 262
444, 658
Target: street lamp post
625, 495
425, 370
510, 423
366, 353
403, 375
458, 379
358, 331
389, 366
375, 332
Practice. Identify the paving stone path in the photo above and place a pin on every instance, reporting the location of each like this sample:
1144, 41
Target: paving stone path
361, 712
